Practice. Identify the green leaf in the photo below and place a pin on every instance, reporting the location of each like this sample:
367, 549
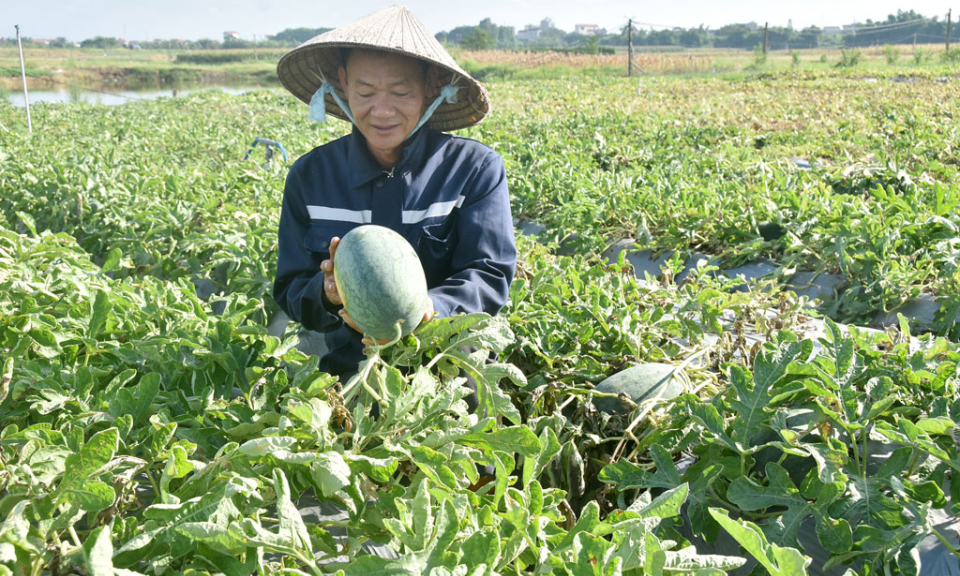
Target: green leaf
100, 313
330, 472
91, 496
549, 450
624, 474
422, 515
515, 440
753, 398
378, 469
229, 539
666, 505
865, 503
137, 401
94, 454
589, 522
709, 417
778, 561
655, 558
412, 564
481, 547
112, 262
447, 528
292, 530
266, 446
98, 552
119, 381
177, 466
6, 376
781, 492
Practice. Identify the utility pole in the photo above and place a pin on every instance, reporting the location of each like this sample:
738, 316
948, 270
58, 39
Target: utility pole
766, 38
630, 47
914, 42
949, 14
23, 76
255, 54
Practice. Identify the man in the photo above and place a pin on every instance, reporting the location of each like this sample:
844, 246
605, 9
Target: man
446, 195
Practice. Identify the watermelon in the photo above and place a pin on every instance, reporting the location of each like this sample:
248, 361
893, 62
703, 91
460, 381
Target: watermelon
639, 383
380, 281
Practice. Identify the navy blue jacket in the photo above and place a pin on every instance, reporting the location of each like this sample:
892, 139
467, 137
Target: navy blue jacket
447, 196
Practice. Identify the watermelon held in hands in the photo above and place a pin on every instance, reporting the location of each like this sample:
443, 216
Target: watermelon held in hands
381, 281
639, 383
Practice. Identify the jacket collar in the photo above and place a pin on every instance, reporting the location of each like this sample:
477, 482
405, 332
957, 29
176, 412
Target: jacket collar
362, 167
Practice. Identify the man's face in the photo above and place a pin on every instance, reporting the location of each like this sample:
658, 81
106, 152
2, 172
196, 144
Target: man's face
386, 94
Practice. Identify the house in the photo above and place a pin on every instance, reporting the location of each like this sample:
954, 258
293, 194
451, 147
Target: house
586, 29
532, 32
231, 35
529, 34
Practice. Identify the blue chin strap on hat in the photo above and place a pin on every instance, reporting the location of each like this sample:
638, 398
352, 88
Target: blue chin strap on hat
318, 106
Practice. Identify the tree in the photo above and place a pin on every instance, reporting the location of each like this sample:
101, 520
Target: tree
552, 38
477, 39
693, 37
298, 35
663, 38
810, 37
100, 42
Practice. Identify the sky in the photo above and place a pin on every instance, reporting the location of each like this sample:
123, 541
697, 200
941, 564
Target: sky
195, 19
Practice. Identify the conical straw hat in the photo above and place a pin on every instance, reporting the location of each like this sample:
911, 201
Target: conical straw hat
393, 29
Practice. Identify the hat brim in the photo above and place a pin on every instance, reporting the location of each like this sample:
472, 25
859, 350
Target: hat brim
304, 69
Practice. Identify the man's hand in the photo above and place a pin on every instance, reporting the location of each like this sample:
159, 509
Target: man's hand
329, 283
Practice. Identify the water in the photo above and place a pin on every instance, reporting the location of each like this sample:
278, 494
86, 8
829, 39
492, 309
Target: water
112, 97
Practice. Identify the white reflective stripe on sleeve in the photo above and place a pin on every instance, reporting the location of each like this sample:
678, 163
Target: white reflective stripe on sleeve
436, 209
340, 214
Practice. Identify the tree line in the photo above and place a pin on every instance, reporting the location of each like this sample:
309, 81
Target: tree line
901, 28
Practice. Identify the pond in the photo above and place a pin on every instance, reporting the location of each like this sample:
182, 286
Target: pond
113, 97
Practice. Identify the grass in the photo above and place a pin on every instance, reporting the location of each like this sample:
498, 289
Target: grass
130, 69
158, 68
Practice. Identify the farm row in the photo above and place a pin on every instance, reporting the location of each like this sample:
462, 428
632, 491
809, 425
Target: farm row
152, 424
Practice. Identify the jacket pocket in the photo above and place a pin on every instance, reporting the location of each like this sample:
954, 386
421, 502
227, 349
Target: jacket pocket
317, 238
436, 247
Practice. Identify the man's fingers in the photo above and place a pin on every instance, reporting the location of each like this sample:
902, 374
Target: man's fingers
330, 290
329, 283
428, 314
349, 321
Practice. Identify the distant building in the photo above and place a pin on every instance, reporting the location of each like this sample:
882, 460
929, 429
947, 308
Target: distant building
832, 30
586, 29
790, 24
231, 35
529, 34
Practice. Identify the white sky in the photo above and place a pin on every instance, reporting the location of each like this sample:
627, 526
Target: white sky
194, 19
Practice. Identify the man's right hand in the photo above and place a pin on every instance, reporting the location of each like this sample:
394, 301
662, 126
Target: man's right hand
329, 283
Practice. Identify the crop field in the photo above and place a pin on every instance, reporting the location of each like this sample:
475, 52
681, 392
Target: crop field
150, 423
